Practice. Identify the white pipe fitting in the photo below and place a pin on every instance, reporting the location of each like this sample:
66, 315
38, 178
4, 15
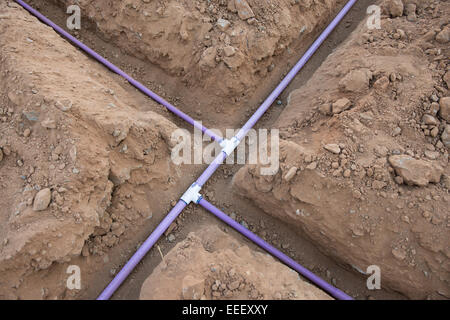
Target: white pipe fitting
229, 145
192, 194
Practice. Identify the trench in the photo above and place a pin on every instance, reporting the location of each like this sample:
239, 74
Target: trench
300, 248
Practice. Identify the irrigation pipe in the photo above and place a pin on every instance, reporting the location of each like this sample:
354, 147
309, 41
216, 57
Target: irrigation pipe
119, 71
193, 193
336, 293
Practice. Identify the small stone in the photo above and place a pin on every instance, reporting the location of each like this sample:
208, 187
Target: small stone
171, 238
399, 253
333, 148
429, 120
229, 51
381, 84
42, 200
443, 36
416, 172
26, 132
445, 137
234, 285
341, 105
444, 110
356, 81
395, 8
223, 24
49, 124
290, 174
325, 109
397, 131
243, 9
434, 132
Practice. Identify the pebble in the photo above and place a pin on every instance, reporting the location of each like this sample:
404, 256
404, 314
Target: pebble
333, 148
42, 200
290, 174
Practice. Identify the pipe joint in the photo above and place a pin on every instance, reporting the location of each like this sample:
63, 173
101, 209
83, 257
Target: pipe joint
192, 194
229, 145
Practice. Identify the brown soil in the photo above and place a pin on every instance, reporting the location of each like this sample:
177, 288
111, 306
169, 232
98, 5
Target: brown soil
211, 264
102, 149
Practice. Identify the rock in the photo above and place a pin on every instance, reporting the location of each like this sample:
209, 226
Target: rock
26, 132
223, 24
381, 151
432, 155
341, 105
445, 137
232, 6
49, 124
446, 79
325, 109
192, 288
416, 172
243, 9
434, 132
410, 11
208, 59
171, 238
229, 51
399, 253
42, 200
444, 111
333, 148
356, 81
381, 84
234, 285
430, 120
395, 8
290, 174
443, 36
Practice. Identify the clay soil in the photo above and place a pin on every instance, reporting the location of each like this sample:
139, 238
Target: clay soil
86, 173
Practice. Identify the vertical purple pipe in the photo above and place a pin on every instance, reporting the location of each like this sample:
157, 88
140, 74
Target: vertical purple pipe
142, 251
335, 292
285, 82
117, 70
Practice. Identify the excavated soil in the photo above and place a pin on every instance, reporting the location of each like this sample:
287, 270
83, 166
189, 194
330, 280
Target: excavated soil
86, 172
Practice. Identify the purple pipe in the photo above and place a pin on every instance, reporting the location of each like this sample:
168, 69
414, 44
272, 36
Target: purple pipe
290, 76
120, 72
335, 292
142, 251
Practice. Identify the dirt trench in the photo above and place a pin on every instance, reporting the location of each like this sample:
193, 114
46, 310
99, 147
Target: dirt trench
130, 204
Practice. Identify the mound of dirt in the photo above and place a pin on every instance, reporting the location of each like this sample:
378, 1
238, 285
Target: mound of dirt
211, 264
225, 46
75, 150
364, 153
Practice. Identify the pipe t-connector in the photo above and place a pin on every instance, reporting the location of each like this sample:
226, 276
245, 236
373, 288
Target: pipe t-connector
229, 145
192, 194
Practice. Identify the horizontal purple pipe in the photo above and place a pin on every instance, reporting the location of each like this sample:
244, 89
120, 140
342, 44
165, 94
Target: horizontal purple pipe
291, 75
120, 72
142, 251
335, 292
